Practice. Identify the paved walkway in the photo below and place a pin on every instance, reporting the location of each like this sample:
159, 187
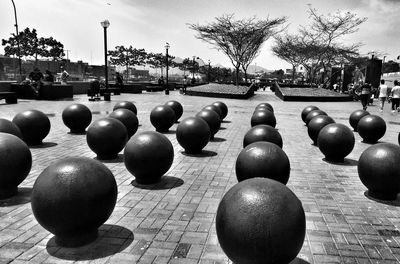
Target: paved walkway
173, 221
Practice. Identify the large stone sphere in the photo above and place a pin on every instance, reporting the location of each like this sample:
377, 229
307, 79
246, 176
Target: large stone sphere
177, 107
126, 105
371, 128
72, 198
260, 221
265, 105
216, 109
34, 126
306, 111
15, 164
316, 124
148, 156
193, 134
223, 107
335, 141
77, 117
106, 137
262, 108
212, 119
128, 118
355, 118
162, 117
6, 126
313, 114
263, 160
263, 118
262, 133
379, 170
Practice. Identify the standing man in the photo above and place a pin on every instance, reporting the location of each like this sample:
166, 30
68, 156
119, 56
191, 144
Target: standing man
383, 93
185, 84
395, 96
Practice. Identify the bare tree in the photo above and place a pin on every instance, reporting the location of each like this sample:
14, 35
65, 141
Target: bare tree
240, 40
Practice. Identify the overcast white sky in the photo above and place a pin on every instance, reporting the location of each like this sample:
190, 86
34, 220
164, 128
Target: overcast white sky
149, 24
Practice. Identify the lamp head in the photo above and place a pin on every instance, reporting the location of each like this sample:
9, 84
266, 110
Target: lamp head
105, 23
167, 45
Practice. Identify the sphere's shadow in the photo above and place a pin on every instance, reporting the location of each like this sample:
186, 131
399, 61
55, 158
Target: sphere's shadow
76, 133
169, 132
390, 202
22, 197
112, 239
299, 261
203, 154
166, 182
222, 128
226, 121
346, 162
44, 145
51, 114
118, 159
217, 139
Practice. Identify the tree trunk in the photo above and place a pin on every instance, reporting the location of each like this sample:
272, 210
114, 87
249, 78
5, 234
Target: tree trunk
293, 73
127, 72
237, 76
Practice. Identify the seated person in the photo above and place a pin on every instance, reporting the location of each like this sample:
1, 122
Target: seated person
36, 77
49, 77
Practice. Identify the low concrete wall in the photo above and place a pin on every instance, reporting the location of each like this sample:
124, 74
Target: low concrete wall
79, 87
5, 86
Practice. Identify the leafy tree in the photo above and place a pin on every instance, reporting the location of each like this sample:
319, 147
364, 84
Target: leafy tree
127, 56
158, 60
185, 65
240, 40
51, 48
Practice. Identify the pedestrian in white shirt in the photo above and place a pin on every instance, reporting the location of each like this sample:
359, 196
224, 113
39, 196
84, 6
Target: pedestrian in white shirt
383, 93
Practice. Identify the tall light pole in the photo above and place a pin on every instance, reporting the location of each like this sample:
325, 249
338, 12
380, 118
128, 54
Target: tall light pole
17, 38
194, 63
105, 24
209, 67
166, 63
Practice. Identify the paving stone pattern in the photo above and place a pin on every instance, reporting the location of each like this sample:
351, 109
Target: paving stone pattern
174, 221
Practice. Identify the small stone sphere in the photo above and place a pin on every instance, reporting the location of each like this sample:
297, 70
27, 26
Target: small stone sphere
193, 134
15, 164
265, 105
106, 137
77, 117
260, 221
34, 126
371, 128
162, 117
335, 141
355, 118
262, 133
223, 107
263, 118
148, 156
128, 118
212, 119
306, 111
379, 170
316, 124
214, 108
263, 160
262, 108
313, 114
177, 107
127, 105
72, 198
6, 126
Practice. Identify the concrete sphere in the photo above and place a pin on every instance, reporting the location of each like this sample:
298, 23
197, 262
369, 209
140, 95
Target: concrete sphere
128, 118
15, 164
262, 108
106, 137
260, 221
313, 114
379, 170
263, 118
263, 160
371, 128
262, 133
34, 126
306, 111
316, 124
355, 117
127, 105
193, 134
335, 141
148, 156
72, 198
177, 107
6, 126
216, 109
162, 117
77, 117
265, 105
223, 107
212, 119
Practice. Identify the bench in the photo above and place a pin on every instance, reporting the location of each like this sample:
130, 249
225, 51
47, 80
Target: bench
115, 91
52, 91
153, 88
11, 97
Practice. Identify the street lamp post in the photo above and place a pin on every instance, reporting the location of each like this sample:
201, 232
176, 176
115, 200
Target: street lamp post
105, 24
17, 38
166, 63
209, 68
194, 63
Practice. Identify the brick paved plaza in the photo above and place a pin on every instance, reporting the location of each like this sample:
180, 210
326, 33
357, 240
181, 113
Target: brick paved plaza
174, 220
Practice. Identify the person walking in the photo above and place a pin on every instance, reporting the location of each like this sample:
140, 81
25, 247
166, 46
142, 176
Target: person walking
365, 94
64, 75
395, 96
185, 84
383, 94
